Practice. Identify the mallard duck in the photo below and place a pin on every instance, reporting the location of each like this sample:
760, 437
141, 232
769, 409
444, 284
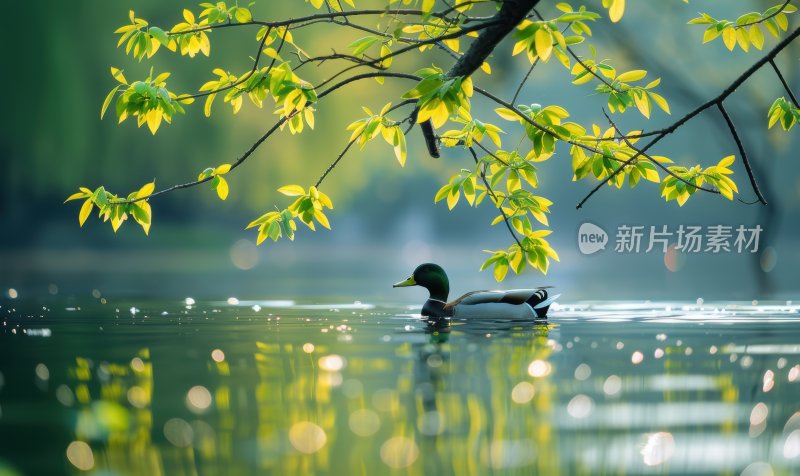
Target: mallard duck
511, 304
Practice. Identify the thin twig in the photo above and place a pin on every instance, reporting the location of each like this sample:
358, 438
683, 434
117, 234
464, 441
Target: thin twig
338, 158
762, 20
784, 83
495, 199
351, 142
522, 83
742, 152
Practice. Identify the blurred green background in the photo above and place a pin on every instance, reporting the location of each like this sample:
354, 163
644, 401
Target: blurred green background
52, 141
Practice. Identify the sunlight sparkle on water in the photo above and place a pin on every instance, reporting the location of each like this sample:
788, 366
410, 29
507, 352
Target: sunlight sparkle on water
332, 363
523, 392
80, 455
364, 422
582, 372
612, 385
218, 355
137, 364
137, 396
307, 437
769, 381
794, 373
198, 399
758, 419
178, 432
539, 368
42, 372
791, 448
580, 406
659, 448
399, 452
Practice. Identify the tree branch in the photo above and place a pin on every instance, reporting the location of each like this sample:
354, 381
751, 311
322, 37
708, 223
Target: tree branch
247, 75
654, 161
511, 13
272, 130
659, 135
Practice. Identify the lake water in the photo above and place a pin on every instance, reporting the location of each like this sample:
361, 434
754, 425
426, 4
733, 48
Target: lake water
278, 387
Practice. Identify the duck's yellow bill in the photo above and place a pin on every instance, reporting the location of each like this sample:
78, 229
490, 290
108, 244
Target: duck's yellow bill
408, 282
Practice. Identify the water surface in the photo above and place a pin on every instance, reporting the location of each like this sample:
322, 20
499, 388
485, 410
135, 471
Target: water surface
279, 387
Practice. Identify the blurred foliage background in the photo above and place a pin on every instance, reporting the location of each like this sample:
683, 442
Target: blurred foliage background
52, 141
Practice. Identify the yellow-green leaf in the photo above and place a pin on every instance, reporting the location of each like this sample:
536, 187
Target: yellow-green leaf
86, 209
292, 190
146, 190
635, 75
222, 188
617, 10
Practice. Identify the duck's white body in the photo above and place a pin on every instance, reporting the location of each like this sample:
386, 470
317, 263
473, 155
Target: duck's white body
510, 304
494, 310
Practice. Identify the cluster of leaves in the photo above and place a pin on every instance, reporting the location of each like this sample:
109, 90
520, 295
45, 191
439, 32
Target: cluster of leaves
473, 130
673, 188
601, 154
111, 208
544, 39
621, 94
218, 182
436, 28
507, 178
148, 100
543, 127
439, 96
366, 129
784, 112
291, 94
220, 12
746, 30
535, 251
333, 4
362, 45
308, 207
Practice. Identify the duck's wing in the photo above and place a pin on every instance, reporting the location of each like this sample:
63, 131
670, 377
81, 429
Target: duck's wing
458, 301
512, 296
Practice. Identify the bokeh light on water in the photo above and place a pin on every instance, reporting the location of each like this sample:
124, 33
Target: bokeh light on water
278, 387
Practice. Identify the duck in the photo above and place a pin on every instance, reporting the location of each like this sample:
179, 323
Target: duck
513, 304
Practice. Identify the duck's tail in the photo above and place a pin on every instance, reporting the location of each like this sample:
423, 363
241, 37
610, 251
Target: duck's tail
540, 302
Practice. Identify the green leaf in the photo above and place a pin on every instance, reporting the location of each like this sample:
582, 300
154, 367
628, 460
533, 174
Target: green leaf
159, 35
108, 100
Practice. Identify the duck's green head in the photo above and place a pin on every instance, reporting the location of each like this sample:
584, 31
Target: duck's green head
431, 277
